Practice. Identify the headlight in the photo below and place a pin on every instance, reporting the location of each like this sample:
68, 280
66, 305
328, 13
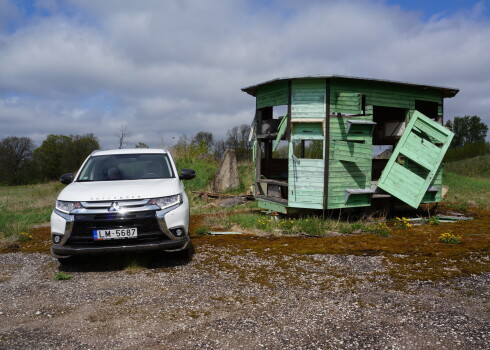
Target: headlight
67, 207
165, 202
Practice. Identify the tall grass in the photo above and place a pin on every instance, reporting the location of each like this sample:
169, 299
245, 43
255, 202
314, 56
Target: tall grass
464, 190
246, 174
469, 150
24, 206
310, 225
204, 168
478, 167
21, 207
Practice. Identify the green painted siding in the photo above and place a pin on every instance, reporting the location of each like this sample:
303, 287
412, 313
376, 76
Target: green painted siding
350, 144
350, 159
273, 94
351, 102
306, 180
306, 176
351, 151
429, 197
410, 183
350, 165
377, 94
308, 98
272, 206
308, 130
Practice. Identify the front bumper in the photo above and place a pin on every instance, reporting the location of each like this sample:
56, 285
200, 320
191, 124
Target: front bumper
175, 245
72, 233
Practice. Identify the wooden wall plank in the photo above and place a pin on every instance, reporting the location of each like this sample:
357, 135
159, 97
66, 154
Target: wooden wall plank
274, 94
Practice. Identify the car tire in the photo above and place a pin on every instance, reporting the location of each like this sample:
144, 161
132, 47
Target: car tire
66, 261
186, 253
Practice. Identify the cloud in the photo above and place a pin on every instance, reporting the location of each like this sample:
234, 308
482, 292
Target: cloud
164, 68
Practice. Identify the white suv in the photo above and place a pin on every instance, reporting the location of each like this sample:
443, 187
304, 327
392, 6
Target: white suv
127, 200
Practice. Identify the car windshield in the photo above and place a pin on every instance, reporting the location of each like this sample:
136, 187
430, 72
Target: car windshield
126, 167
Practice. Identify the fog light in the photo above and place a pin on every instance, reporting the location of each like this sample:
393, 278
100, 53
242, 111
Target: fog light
57, 239
178, 232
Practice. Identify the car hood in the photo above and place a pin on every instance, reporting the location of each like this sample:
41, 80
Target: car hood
120, 190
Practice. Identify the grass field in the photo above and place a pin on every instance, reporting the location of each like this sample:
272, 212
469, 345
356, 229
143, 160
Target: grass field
465, 190
478, 167
22, 207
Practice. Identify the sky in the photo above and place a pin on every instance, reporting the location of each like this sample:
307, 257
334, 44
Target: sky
163, 69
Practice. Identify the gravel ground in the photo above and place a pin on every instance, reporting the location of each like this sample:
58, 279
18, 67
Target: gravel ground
223, 299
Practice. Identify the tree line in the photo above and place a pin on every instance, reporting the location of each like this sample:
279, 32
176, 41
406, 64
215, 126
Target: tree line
203, 144
469, 138
22, 163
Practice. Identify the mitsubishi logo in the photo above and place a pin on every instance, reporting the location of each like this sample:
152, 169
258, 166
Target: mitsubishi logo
114, 206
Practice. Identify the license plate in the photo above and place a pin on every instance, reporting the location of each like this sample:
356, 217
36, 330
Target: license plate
119, 233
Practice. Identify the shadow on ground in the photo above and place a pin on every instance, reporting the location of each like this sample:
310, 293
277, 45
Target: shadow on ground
133, 261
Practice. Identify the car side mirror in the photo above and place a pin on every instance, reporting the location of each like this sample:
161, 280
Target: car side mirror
66, 178
187, 174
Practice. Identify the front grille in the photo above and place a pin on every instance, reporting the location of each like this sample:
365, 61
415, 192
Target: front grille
145, 222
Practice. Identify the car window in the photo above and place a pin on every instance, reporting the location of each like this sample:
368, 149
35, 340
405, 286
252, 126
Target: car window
127, 167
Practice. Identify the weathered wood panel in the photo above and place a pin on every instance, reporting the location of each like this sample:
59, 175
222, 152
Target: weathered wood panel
308, 98
350, 164
273, 94
410, 184
308, 130
306, 178
351, 102
377, 94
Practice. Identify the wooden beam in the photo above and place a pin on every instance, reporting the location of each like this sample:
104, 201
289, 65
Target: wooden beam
327, 144
289, 116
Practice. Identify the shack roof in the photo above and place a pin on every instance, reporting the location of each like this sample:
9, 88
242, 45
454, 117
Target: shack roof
446, 91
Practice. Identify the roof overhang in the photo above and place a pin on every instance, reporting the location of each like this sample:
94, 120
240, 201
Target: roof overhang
447, 92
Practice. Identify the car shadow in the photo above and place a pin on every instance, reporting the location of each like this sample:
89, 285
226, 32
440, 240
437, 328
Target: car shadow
132, 262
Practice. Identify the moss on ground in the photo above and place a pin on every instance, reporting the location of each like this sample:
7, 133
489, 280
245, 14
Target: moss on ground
411, 254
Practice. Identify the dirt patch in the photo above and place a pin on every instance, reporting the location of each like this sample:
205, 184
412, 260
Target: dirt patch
39, 243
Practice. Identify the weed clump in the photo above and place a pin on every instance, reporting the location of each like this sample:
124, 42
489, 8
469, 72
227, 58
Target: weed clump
450, 238
402, 223
434, 220
380, 229
202, 230
310, 226
24, 237
62, 276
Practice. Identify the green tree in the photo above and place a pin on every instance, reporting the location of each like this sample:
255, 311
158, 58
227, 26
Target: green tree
203, 140
78, 150
467, 129
60, 154
15, 156
49, 156
237, 140
141, 145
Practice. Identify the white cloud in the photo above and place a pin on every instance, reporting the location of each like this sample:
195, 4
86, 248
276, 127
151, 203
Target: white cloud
170, 67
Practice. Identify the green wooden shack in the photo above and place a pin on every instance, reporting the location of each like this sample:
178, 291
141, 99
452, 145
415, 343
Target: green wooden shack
330, 142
